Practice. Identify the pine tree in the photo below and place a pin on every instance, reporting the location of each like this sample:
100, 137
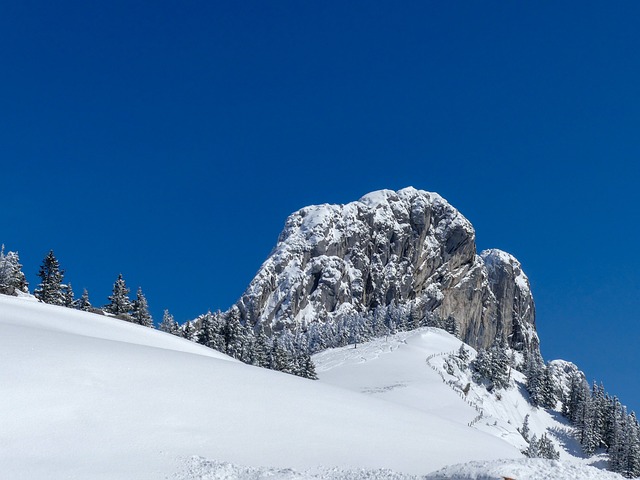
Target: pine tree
481, 366
248, 344
261, 349
309, 369
169, 324
68, 296
140, 310
500, 368
189, 332
119, 303
233, 334
524, 431
534, 373
205, 333
492, 365
546, 448
532, 451
84, 304
541, 448
279, 358
50, 288
12, 278
549, 398
463, 353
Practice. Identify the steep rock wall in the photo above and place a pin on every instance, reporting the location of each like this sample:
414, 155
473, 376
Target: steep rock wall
405, 247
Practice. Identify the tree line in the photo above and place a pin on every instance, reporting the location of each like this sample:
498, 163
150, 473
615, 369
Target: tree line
221, 331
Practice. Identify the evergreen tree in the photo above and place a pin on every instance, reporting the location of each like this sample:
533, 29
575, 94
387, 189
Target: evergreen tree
463, 353
549, 398
481, 366
309, 369
247, 354
533, 450
534, 374
169, 324
233, 334
68, 296
84, 304
541, 448
189, 332
12, 278
261, 348
279, 358
524, 431
50, 288
546, 448
205, 332
140, 310
119, 303
492, 365
500, 367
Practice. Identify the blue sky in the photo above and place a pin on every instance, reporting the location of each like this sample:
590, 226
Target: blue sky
168, 141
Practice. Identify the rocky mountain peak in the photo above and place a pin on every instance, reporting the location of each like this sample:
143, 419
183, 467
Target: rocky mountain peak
408, 248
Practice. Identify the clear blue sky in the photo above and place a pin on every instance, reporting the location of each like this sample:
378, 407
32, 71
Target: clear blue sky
168, 141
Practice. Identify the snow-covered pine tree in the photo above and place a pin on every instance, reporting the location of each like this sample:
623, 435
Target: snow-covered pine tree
261, 348
233, 334
169, 324
632, 448
532, 451
541, 448
578, 396
205, 333
119, 302
279, 358
549, 397
546, 448
248, 344
140, 310
218, 327
481, 366
309, 368
525, 431
189, 332
68, 296
492, 365
50, 288
12, 278
83, 303
463, 353
534, 369
500, 367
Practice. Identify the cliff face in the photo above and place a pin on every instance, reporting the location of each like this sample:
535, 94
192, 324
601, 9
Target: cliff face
405, 248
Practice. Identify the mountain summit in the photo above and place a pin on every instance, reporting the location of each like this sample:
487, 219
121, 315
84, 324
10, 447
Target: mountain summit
408, 249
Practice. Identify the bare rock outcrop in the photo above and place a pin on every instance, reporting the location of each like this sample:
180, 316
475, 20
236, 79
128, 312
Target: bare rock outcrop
408, 247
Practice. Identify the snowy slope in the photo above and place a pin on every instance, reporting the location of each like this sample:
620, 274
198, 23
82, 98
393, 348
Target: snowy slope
409, 369
91, 397
519, 469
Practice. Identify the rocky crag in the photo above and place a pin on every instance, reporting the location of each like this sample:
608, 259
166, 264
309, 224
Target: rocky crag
406, 248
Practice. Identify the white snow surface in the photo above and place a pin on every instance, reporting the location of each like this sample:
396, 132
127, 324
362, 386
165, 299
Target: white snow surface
92, 397
394, 369
523, 469
519, 469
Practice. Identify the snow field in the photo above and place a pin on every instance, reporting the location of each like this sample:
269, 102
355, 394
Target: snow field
92, 397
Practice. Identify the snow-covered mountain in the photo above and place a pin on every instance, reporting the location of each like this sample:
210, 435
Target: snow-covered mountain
92, 396
407, 248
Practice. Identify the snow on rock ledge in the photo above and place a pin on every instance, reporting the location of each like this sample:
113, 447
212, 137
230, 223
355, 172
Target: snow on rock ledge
407, 247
